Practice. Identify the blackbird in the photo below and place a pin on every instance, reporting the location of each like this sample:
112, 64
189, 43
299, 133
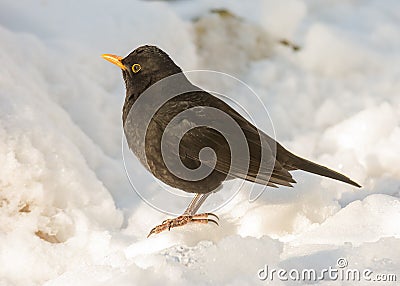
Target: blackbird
157, 93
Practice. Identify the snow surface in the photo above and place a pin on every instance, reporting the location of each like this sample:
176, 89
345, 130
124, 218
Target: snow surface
68, 215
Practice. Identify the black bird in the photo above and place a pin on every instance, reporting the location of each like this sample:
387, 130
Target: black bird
153, 102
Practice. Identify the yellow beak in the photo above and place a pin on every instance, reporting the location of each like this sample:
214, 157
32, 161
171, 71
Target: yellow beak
116, 60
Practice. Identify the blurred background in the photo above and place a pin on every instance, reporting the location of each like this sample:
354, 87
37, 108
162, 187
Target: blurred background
328, 73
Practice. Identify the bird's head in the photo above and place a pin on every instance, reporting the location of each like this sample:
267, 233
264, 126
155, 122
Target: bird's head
143, 67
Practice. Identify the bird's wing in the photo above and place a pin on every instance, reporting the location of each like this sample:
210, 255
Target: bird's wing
204, 114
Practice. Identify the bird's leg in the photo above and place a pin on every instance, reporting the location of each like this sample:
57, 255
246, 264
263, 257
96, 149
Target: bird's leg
196, 203
189, 216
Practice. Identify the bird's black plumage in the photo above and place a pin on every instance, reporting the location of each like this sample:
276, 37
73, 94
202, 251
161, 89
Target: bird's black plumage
145, 137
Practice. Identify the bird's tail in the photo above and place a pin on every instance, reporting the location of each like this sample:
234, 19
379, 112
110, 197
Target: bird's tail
308, 166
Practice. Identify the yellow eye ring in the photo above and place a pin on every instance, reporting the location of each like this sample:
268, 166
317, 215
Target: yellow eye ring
136, 68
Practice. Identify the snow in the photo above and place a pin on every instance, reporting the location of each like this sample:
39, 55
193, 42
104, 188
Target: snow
68, 214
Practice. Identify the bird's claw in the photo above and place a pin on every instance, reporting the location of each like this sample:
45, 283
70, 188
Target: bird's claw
182, 220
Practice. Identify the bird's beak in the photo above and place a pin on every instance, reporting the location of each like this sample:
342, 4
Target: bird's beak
116, 60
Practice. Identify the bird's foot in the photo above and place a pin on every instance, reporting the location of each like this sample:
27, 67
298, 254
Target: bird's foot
182, 220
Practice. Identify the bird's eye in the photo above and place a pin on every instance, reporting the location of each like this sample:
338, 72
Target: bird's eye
136, 68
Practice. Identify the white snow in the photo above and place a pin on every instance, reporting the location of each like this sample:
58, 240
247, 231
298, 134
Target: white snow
68, 214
